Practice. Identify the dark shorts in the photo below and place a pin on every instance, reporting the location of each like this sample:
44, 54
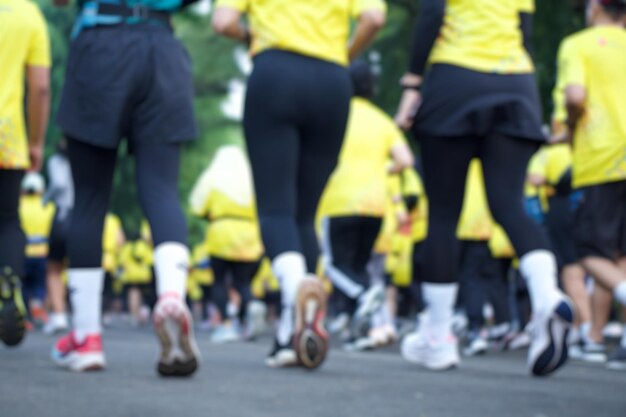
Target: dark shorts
458, 102
600, 228
560, 221
34, 282
132, 81
58, 237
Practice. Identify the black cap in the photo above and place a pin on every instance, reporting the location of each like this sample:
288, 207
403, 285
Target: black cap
363, 79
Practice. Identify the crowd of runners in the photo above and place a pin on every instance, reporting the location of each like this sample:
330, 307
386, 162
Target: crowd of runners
499, 233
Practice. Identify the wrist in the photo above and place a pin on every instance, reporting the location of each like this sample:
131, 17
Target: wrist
411, 82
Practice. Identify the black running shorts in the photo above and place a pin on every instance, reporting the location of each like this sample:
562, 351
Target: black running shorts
458, 102
131, 81
600, 228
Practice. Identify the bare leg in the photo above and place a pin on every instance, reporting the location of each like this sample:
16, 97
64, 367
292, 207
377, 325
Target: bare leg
573, 277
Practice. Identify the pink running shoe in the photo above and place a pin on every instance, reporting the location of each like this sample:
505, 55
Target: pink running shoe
79, 357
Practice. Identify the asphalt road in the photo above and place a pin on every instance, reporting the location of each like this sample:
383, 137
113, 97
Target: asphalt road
234, 382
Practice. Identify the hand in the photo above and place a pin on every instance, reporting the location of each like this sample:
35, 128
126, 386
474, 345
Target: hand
564, 136
409, 105
35, 152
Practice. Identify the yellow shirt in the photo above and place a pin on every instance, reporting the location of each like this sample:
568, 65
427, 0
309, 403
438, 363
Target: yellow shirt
136, 260
558, 161
23, 42
476, 222
357, 187
485, 36
595, 58
111, 242
384, 242
36, 222
201, 272
412, 185
319, 28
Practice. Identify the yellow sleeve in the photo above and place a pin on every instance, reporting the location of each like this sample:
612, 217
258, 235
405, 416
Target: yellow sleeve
360, 6
571, 66
241, 5
559, 115
410, 183
527, 6
39, 47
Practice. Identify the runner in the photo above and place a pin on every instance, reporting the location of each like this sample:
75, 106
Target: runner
25, 58
590, 71
296, 111
127, 76
480, 100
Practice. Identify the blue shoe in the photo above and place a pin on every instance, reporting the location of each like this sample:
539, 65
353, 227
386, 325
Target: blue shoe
548, 349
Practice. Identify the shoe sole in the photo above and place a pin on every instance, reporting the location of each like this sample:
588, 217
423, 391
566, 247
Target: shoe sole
179, 352
555, 353
88, 362
311, 339
12, 324
615, 366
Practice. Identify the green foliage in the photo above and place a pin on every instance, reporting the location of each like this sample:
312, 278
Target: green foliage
214, 67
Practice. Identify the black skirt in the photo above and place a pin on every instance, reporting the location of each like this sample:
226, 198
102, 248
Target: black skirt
458, 102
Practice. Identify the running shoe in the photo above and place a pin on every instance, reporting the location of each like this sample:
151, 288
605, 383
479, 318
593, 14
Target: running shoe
226, 333
173, 324
370, 302
617, 360
79, 357
476, 344
423, 350
255, 319
12, 311
57, 323
310, 337
592, 352
281, 356
548, 349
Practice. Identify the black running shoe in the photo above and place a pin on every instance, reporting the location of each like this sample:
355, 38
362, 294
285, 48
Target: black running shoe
617, 360
12, 310
281, 356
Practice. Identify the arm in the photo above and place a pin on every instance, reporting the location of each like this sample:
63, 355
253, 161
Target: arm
402, 157
526, 25
369, 23
428, 26
575, 97
38, 85
227, 22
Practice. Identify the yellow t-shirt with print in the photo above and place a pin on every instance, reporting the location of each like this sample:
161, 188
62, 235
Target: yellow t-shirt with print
36, 219
558, 162
595, 59
23, 43
358, 186
476, 222
484, 36
319, 29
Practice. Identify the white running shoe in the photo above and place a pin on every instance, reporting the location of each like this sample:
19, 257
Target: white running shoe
281, 356
226, 333
57, 323
173, 324
548, 349
434, 355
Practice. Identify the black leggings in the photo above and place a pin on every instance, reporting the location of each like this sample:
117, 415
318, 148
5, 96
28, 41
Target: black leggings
12, 239
234, 274
445, 162
295, 118
156, 166
348, 244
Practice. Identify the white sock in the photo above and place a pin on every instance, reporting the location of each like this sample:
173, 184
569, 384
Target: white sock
540, 271
585, 328
290, 269
171, 263
285, 326
620, 293
623, 341
440, 300
232, 310
85, 287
